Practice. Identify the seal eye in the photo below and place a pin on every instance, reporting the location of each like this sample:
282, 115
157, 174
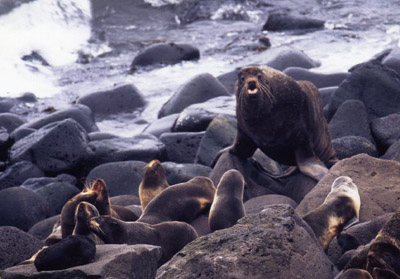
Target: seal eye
259, 76
241, 78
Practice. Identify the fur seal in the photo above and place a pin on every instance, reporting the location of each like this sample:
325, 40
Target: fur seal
341, 206
181, 202
171, 236
84, 212
284, 119
227, 207
384, 251
153, 183
380, 273
354, 273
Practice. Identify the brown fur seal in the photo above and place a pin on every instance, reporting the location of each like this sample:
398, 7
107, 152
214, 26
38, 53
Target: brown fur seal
227, 207
171, 236
180, 202
341, 205
84, 212
380, 273
354, 273
153, 183
384, 251
283, 118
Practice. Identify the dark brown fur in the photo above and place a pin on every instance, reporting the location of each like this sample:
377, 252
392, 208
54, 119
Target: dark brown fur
284, 119
171, 236
181, 202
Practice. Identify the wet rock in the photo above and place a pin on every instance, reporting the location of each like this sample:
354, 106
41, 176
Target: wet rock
43, 229
386, 130
393, 153
181, 147
228, 80
101, 136
197, 117
326, 93
256, 205
162, 125
165, 54
350, 119
122, 178
199, 89
346, 147
377, 180
291, 58
392, 60
80, 113
282, 22
19, 172
36, 183
57, 194
123, 98
273, 244
6, 104
21, 208
27, 97
54, 148
219, 134
143, 147
320, 80
5, 144
376, 85
74, 250
35, 57
16, 246
21, 133
118, 261
179, 173
125, 200
10, 121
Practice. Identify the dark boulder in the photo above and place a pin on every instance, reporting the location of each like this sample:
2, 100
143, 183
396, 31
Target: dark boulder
55, 148
346, 147
219, 134
27, 97
179, 173
228, 80
161, 125
392, 60
199, 89
181, 147
282, 22
101, 136
320, 80
197, 117
124, 98
80, 113
10, 121
21, 208
125, 200
276, 243
393, 153
376, 85
122, 178
143, 147
386, 130
291, 58
350, 119
42, 229
19, 172
36, 183
326, 94
16, 246
258, 204
6, 104
165, 54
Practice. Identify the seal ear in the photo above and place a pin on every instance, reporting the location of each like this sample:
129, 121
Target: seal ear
98, 185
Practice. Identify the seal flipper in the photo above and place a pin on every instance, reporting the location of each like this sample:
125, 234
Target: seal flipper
310, 165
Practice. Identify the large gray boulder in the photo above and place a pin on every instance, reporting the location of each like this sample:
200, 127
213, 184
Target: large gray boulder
111, 261
282, 22
291, 58
376, 85
197, 90
378, 183
346, 147
386, 130
181, 147
11, 121
123, 98
320, 80
16, 246
43, 229
55, 148
122, 178
18, 173
393, 153
276, 243
21, 208
178, 173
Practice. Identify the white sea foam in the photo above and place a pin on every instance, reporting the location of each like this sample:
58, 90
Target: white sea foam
55, 29
160, 3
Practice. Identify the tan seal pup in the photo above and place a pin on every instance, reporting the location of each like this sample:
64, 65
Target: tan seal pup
171, 236
153, 183
341, 206
227, 207
384, 251
181, 202
283, 118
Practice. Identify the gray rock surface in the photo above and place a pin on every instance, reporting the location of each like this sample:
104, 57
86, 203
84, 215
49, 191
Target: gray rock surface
393, 153
11, 121
162, 125
273, 244
291, 58
281, 22
42, 229
257, 204
346, 147
178, 173
320, 80
18, 173
111, 261
125, 200
181, 147
16, 246
386, 130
